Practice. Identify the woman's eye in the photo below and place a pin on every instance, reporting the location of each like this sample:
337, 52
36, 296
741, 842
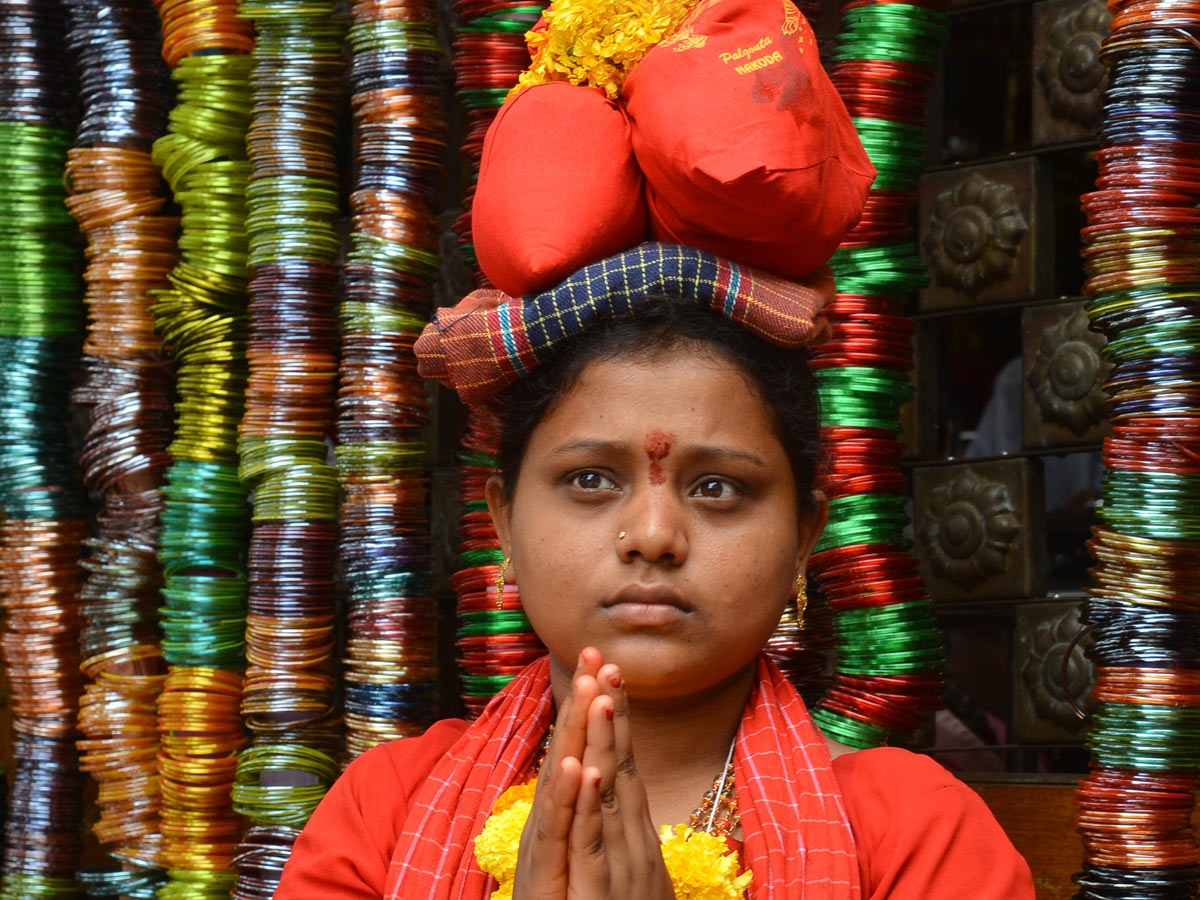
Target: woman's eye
714, 489
592, 481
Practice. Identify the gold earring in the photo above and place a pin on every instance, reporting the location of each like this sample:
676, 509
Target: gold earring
801, 599
500, 583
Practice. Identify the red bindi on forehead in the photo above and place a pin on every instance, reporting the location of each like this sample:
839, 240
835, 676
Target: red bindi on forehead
657, 446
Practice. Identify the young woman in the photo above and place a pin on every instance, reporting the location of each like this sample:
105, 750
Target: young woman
656, 502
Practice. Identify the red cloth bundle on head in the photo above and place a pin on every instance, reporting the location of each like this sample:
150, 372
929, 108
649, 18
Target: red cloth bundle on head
746, 147
558, 187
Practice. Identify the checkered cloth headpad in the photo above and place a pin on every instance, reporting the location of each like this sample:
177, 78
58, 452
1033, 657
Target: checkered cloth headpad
489, 340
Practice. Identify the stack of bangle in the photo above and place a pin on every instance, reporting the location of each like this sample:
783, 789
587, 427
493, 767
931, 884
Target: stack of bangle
889, 648
116, 198
390, 670
43, 524
260, 861
292, 201
202, 323
1142, 260
489, 57
495, 639
278, 787
201, 730
801, 645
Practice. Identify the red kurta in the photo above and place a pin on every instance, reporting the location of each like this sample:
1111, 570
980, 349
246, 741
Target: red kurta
921, 834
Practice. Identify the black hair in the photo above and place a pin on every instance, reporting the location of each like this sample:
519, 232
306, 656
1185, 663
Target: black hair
781, 376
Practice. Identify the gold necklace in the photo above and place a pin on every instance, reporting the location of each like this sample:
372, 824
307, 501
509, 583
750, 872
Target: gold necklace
717, 813
718, 810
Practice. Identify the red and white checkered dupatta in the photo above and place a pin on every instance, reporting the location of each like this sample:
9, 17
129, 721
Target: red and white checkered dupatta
797, 838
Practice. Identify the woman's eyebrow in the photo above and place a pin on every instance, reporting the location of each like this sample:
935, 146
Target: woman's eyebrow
590, 445
706, 451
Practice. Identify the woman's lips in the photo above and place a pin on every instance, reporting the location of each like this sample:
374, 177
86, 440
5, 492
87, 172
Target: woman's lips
647, 607
645, 615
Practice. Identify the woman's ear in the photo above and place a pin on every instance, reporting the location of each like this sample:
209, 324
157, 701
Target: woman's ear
500, 507
812, 523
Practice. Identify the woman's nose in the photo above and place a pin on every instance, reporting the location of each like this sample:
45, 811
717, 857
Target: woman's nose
656, 527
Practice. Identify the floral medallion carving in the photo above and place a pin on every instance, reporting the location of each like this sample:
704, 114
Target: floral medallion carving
969, 529
1070, 73
1068, 374
1056, 671
973, 235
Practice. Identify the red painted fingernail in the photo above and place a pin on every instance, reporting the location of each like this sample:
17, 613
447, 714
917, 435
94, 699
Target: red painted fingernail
615, 680
608, 714
597, 782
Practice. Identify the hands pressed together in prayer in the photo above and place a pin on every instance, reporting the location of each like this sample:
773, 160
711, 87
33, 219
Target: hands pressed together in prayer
589, 835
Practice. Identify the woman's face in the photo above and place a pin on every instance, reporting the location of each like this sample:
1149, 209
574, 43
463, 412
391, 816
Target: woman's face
678, 454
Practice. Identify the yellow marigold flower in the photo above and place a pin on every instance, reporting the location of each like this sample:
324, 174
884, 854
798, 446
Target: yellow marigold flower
701, 866
515, 793
598, 42
497, 844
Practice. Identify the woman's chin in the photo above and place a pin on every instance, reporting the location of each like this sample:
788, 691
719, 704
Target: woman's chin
655, 674
661, 662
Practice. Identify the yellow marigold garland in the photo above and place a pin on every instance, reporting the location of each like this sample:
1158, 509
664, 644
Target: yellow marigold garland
598, 42
701, 866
